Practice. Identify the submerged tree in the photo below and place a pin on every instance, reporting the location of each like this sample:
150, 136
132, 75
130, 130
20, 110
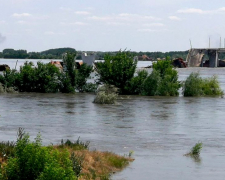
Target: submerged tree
117, 69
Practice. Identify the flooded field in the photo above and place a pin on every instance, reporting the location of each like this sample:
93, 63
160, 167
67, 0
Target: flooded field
160, 130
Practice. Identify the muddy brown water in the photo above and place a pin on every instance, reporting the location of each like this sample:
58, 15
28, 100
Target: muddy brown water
160, 130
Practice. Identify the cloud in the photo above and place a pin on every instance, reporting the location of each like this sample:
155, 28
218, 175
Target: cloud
21, 22
200, 11
74, 23
146, 30
21, 15
192, 11
65, 9
82, 12
174, 18
154, 25
53, 33
2, 22
125, 19
2, 38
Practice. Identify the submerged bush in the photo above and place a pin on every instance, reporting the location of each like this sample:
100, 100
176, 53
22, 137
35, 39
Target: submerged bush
163, 81
151, 84
81, 76
197, 86
116, 70
107, 94
135, 85
196, 150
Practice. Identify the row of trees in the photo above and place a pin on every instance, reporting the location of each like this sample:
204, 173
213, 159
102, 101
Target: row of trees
47, 78
119, 70
116, 71
23, 54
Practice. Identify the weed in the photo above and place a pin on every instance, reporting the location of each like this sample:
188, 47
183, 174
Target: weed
77, 145
195, 151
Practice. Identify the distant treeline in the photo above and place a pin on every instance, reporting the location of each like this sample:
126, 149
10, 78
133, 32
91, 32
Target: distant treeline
57, 54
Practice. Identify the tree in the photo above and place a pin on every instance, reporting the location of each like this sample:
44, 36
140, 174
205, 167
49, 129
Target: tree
116, 70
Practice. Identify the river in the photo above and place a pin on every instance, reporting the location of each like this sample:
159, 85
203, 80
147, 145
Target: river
160, 130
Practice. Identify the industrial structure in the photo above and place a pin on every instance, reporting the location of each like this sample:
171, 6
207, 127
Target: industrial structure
206, 57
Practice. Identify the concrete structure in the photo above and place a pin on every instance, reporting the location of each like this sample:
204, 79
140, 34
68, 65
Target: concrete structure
88, 59
196, 57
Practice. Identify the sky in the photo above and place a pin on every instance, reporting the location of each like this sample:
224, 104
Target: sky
111, 25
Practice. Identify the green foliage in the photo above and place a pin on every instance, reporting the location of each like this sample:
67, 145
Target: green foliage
77, 164
197, 86
33, 162
42, 78
151, 84
196, 149
77, 145
81, 76
90, 87
107, 94
116, 70
7, 149
69, 77
135, 85
163, 81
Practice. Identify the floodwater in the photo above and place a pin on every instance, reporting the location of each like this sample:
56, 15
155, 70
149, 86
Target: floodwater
160, 130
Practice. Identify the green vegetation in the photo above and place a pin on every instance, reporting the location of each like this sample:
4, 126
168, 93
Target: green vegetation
46, 78
107, 94
135, 85
70, 160
48, 54
163, 81
197, 86
116, 70
195, 151
32, 161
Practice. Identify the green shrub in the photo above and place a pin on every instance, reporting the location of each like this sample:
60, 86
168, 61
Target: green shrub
90, 87
81, 76
197, 86
134, 86
151, 84
163, 81
107, 94
116, 70
33, 162
195, 151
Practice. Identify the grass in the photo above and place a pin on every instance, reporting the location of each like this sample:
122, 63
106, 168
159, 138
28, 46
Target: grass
86, 164
196, 150
77, 145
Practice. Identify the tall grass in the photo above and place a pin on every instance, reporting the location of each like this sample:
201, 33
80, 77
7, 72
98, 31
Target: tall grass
198, 86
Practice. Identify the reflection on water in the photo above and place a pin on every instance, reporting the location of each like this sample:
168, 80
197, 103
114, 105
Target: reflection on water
160, 130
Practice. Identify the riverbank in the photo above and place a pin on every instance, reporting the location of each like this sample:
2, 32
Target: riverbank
85, 164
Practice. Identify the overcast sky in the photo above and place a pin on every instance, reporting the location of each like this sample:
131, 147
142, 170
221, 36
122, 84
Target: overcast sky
109, 25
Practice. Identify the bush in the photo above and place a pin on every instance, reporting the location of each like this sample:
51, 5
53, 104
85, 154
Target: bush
195, 151
134, 86
163, 81
116, 70
33, 162
197, 86
81, 76
106, 94
151, 84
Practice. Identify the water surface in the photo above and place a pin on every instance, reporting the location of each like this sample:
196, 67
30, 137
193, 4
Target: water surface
160, 130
